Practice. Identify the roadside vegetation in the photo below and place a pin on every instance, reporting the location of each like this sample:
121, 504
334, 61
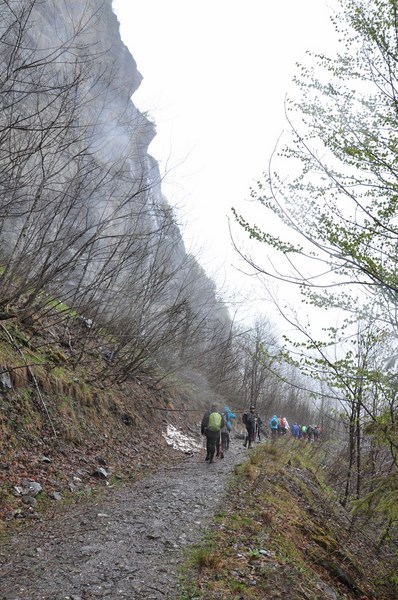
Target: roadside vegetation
61, 422
282, 533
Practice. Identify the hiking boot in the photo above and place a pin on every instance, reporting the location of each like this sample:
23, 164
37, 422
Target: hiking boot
207, 458
222, 455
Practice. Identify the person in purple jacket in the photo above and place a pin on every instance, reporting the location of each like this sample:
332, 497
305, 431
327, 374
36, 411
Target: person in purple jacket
295, 430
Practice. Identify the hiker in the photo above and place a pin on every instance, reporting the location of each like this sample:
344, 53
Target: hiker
249, 420
203, 427
295, 429
211, 425
281, 427
228, 416
258, 425
317, 432
274, 425
224, 439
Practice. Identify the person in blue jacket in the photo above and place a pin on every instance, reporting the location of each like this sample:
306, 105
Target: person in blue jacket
295, 429
228, 416
273, 425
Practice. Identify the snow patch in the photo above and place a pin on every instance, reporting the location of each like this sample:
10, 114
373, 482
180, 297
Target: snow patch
179, 441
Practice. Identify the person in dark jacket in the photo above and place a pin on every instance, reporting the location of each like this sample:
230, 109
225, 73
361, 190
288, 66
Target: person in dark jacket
250, 422
212, 435
259, 424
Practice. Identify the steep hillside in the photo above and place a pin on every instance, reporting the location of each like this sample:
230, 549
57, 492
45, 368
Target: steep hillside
282, 534
66, 425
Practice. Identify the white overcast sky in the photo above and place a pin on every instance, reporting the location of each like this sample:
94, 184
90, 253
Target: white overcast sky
215, 76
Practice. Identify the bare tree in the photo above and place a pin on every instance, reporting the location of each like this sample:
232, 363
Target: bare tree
68, 214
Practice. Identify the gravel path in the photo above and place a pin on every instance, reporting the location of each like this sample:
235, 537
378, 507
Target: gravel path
127, 545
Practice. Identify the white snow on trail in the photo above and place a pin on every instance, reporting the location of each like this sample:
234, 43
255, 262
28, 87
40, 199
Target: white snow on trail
180, 441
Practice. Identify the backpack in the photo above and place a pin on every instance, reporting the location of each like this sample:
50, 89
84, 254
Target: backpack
227, 421
244, 418
274, 423
214, 423
250, 418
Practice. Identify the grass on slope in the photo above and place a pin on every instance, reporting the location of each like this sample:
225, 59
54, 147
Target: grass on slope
60, 420
281, 534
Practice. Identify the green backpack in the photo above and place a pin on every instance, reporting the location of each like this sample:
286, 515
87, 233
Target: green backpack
214, 423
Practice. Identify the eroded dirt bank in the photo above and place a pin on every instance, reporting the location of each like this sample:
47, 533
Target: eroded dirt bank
127, 545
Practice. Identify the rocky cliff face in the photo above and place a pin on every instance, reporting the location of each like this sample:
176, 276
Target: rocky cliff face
81, 202
82, 215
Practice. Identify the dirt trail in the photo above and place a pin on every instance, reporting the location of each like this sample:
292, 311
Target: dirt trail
127, 545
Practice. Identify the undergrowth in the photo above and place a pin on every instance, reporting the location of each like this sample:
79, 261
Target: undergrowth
282, 534
55, 407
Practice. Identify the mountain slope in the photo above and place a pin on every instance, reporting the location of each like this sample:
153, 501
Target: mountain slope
63, 418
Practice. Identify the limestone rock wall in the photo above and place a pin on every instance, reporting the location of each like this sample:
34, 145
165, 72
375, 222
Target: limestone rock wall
75, 174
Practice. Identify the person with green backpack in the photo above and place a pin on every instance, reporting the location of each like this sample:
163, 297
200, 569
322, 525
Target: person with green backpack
212, 423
